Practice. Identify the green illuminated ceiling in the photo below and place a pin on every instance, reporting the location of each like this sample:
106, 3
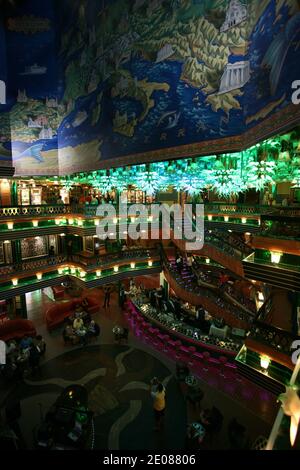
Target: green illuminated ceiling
272, 161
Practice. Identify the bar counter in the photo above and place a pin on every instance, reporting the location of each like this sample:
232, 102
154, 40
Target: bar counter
189, 335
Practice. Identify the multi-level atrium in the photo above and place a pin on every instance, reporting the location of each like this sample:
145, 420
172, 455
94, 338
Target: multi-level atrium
118, 329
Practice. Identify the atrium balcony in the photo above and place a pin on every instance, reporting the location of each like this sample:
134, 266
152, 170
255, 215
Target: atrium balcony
274, 268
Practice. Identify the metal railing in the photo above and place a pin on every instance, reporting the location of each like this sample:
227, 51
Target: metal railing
274, 337
32, 265
107, 259
87, 263
43, 210
217, 299
90, 210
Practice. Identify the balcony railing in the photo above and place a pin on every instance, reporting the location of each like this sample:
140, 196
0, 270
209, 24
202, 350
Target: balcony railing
268, 334
43, 210
250, 209
256, 258
90, 210
86, 263
32, 265
276, 338
107, 259
191, 286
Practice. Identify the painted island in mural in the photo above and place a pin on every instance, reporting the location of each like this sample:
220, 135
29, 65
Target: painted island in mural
121, 78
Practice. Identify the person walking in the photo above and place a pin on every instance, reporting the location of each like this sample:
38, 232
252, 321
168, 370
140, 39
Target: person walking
158, 394
107, 293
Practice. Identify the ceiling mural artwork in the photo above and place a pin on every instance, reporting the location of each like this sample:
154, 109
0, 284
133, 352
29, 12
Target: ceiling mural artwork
97, 84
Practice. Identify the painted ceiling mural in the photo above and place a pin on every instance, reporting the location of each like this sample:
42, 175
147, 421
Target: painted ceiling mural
91, 83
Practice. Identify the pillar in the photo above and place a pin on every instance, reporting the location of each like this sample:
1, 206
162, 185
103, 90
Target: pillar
228, 77
16, 251
14, 193
21, 307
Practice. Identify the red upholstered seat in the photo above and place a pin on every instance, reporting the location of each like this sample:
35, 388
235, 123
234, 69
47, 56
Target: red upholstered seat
93, 306
198, 356
223, 360
58, 292
57, 313
16, 329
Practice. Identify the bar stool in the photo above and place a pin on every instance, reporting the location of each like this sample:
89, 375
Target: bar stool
171, 345
214, 362
233, 367
191, 352
154, 335
178, 349
139, 322
206, 356
184, 352
165, 343
144, 328
223, 361
198, 358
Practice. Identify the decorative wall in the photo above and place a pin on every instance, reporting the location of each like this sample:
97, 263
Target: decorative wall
100, 84
34, 247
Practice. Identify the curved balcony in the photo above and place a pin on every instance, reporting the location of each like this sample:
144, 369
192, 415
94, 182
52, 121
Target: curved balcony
249, 209
34, 265
218, 250
191, 292
90, 263
189, 335
208, 275
55, 270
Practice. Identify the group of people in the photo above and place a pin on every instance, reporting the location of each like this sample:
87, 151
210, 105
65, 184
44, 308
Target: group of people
81, 328
179, 261
23, 355
94, 199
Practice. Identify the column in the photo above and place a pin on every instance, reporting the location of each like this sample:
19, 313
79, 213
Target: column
242, 75
21, 306
228, 76
16, 251
14, 193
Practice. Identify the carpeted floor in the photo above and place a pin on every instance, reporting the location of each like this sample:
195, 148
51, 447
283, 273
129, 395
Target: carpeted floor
117, 379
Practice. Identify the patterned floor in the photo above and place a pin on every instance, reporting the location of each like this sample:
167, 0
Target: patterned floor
117, 379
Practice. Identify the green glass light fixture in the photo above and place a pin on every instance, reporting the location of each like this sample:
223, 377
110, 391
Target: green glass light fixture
259, 174
228, 182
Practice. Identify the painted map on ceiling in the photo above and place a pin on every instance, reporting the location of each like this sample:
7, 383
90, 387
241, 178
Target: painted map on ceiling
96, 82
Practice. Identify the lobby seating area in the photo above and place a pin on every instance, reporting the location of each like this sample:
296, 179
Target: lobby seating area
58, 313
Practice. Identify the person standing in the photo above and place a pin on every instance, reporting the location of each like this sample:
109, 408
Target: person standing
159, 405
107, 293
70, 250
122, 296
51, 251
34, 359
